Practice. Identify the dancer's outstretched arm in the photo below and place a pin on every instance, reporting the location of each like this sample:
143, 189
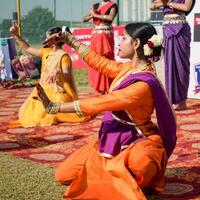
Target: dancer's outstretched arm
100, 63
23, 45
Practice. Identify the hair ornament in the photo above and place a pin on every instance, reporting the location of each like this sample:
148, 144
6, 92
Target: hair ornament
154, 41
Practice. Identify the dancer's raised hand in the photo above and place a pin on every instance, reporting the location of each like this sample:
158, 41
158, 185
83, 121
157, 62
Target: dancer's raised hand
14, 29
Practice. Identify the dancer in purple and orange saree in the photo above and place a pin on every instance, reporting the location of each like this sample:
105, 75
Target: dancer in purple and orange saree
177, 38
102, 40
131, 152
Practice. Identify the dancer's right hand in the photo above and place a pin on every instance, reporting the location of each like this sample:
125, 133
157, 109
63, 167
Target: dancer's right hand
14, 29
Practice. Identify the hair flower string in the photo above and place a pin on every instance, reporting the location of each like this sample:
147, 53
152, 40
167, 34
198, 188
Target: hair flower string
154, 41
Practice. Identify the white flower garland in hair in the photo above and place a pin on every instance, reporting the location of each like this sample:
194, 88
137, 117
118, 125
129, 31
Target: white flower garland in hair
154, 41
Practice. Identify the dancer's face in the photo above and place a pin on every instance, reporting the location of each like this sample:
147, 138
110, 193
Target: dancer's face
126, 47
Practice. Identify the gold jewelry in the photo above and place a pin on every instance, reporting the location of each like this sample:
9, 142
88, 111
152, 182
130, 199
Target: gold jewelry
70, 39
84, 51
76, 46
52, 108
76, 105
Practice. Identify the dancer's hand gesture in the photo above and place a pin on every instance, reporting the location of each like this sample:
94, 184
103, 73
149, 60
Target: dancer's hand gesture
42, 96
14, 29
54, 39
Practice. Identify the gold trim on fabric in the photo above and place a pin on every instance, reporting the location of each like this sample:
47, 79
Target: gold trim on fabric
174, 18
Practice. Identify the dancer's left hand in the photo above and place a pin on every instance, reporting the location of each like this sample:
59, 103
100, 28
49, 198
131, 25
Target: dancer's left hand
42, 96
53, 39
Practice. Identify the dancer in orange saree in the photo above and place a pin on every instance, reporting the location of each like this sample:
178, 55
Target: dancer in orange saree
131, 152
56, 78
102, 40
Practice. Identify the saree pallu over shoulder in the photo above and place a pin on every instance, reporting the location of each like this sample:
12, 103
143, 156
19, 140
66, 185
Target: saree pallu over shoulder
113, 135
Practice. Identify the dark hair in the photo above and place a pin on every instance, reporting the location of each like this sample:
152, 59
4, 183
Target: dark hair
193, 3
55, 30
143, 31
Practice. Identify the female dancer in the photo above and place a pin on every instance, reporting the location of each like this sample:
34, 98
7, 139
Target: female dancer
177, 38
131, 152
102, 40
56, 79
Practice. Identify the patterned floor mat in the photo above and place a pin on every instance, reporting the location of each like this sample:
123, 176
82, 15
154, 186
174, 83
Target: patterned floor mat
51, 145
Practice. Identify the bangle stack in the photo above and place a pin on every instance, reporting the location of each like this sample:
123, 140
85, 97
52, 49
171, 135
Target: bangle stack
84, 51
76, 47
76, 105
52, 108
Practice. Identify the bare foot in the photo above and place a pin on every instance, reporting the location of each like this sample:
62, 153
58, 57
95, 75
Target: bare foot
180, 106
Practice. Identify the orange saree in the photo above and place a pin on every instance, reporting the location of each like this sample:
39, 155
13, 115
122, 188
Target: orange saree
139, 166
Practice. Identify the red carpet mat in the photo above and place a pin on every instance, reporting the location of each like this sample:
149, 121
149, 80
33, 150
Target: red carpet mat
51, 145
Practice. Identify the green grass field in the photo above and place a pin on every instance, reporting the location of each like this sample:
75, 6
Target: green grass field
24, 180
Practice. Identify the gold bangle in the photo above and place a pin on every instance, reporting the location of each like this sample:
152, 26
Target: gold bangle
76, 105
84, 51
52, 108
104, 17
75, 46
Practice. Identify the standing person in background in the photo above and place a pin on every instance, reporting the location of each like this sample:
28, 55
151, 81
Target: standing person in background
102, 40
177, 38
56, 79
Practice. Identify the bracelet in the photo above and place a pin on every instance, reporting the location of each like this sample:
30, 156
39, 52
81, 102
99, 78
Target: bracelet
52, 108
69, 39
76, 105
76, 47
104, 17
84, 51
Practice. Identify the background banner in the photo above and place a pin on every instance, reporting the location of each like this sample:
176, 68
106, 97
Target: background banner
7, 53
194, 21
